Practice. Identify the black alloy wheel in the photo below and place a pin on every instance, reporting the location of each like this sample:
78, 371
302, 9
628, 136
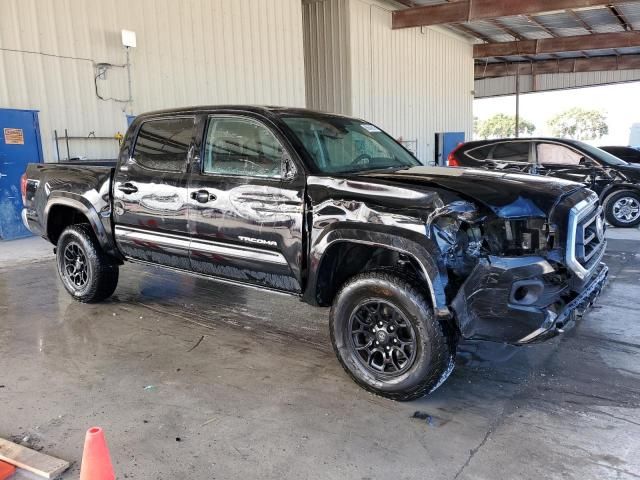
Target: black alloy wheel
387, 338
382, 337
87, 273
76, 268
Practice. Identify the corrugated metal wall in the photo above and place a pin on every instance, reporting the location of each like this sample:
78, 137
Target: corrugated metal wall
189, 52
412, 82
493, 87
327, 55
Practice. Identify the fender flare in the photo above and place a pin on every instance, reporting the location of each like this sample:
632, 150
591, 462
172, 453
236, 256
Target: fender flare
416, 246
103, 232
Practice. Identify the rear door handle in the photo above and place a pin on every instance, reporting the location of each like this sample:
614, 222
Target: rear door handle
128, 188
203, 196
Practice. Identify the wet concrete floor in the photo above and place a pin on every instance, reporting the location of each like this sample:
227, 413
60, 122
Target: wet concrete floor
200, 380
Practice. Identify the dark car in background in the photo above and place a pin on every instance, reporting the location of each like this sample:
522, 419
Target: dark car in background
628, 154
616, 182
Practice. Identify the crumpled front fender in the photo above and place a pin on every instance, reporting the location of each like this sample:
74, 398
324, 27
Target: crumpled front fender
409, 243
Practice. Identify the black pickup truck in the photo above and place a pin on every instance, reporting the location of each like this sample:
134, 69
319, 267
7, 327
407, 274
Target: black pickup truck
411, 259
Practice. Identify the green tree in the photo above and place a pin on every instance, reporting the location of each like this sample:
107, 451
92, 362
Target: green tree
502, 126
580, 124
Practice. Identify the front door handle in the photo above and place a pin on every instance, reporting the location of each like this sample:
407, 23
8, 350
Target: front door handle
203, 196
128, 188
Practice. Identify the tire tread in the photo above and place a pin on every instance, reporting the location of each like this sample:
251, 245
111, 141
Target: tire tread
106, 271
443, 354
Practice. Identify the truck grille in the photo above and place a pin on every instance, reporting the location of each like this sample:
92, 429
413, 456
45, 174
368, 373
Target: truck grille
586, 241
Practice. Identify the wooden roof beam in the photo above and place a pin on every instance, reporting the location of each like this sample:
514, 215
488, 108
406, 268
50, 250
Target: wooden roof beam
546, 29
621, 18
506, 29
471, 32
583, 24
596, 41
467, 10
568, 65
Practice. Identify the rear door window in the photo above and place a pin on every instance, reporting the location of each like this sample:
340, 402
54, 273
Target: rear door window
512, 152
162, 145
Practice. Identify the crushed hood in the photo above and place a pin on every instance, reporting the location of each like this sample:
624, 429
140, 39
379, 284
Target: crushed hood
508, 195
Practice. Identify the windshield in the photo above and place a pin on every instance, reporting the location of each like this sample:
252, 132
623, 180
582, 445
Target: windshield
343, 145
601, 155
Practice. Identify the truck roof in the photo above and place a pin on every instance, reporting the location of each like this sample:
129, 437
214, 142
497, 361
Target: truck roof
265, 110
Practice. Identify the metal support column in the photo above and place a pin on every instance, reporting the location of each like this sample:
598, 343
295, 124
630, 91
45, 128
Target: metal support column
517, 104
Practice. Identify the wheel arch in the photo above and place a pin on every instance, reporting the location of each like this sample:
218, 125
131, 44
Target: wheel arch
617, 187
64, 209
374, 239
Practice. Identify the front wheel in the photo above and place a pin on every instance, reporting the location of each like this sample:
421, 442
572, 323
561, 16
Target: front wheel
387, 339
622, 209
87, 273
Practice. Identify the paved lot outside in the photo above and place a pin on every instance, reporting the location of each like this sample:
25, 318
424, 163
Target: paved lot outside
194, 379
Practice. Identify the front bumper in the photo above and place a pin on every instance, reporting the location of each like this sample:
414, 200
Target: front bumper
560, 322
521, 300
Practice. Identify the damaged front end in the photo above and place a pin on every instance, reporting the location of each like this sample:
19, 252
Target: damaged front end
520, 277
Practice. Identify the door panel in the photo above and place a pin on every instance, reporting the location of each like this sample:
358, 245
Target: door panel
150, 194
245, 221
19, 145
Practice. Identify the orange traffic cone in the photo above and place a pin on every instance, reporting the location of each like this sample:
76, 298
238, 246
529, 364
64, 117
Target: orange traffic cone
96, 462
6, 470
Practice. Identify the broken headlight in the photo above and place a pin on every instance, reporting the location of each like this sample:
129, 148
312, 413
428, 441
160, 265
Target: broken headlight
518, 237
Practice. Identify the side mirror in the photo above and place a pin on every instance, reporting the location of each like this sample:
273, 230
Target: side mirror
288, 168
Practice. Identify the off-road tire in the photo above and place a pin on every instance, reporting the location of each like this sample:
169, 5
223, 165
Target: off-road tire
101, 270
609, 203
435, 350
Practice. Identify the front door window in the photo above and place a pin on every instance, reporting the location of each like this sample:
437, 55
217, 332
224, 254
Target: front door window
237, 146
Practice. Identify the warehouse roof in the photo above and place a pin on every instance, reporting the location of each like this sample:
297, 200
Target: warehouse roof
537, 36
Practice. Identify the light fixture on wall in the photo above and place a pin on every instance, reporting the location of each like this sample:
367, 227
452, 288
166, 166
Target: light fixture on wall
129, 39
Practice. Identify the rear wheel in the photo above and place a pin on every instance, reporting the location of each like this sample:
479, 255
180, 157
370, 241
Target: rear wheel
386, 336
87, 273
622, 209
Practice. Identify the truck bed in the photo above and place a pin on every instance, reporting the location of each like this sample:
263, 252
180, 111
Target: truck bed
89, 163
85, 186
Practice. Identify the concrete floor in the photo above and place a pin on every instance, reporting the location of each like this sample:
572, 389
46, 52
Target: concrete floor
194, 379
